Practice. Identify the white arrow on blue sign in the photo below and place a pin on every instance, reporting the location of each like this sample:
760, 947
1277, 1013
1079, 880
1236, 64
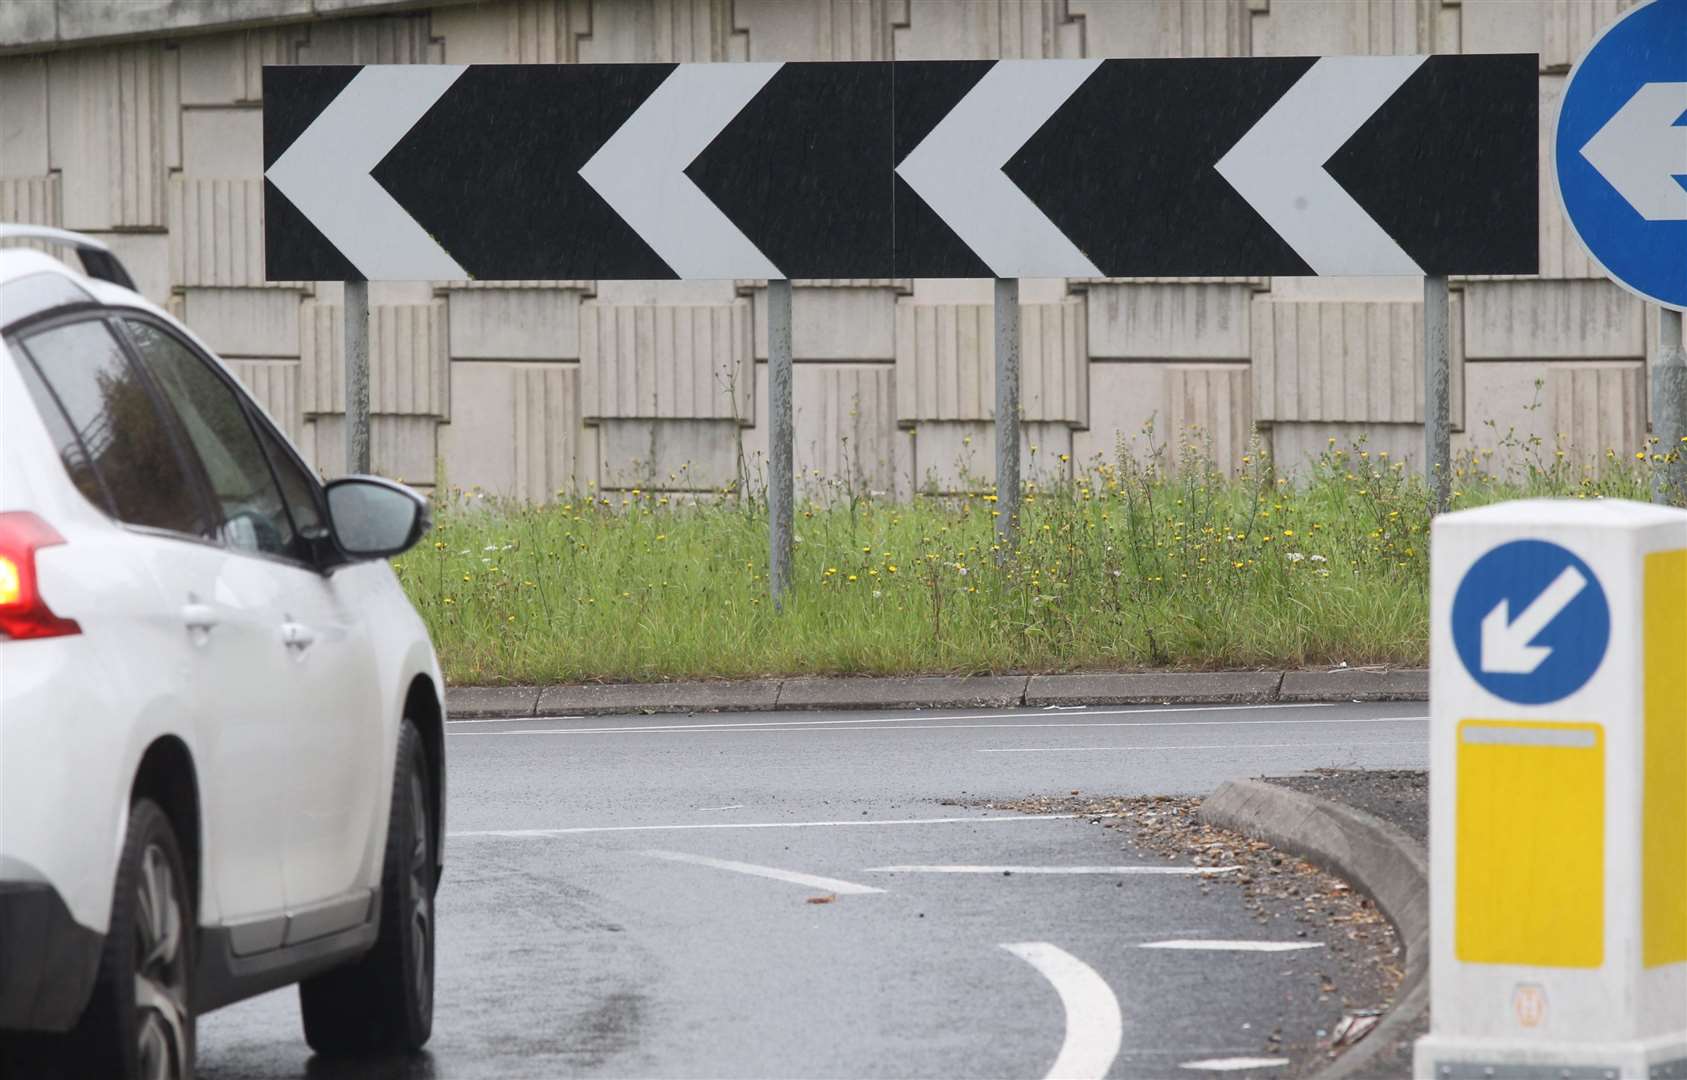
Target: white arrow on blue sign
1530, 622
1621, 151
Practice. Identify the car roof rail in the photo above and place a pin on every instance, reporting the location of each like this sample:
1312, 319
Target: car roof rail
98, 261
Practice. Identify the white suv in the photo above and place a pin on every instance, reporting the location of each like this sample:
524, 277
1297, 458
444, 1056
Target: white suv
222, 761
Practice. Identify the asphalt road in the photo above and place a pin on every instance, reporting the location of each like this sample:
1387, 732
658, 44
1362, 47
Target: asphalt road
631, 897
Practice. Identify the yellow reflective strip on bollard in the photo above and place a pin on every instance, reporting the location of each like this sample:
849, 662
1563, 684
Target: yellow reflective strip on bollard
1529, 873
1663, 850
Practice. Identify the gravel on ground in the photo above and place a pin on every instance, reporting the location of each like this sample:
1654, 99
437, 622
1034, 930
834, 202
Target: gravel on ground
1401, 798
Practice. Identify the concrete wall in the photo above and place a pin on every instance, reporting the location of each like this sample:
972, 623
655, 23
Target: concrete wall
151, 138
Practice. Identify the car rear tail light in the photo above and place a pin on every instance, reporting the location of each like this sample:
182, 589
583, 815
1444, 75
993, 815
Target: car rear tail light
23, 614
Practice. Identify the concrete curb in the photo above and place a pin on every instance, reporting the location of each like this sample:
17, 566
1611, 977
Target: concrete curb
683, 697
1355, 684
938, 692
924, 692
1376, 857
1155, 688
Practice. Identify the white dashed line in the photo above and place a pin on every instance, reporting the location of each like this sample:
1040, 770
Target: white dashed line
531, 834
1234, 1064
1174, 870
919, 723
504, 719
1201, 945
1094, 1027
832, 885
1203, 746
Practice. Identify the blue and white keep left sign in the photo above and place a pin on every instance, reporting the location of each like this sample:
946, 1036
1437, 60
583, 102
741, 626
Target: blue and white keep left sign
1621, 151
1530, 622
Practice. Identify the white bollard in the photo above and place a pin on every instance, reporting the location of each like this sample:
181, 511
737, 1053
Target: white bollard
1558, 793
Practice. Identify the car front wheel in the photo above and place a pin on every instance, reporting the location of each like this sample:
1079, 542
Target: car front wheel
384, 1002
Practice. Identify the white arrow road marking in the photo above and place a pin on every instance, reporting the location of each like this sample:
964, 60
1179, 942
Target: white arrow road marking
1505, 641
640, 171
957, 168
1115, 870
325, 173
1234, 1064
842, 888
1278, 166
1640, 151
1094, 1027
1209, 945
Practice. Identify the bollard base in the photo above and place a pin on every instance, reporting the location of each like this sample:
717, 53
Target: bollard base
1440, 1057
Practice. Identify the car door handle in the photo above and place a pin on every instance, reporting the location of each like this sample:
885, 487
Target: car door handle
200, 617
297, 635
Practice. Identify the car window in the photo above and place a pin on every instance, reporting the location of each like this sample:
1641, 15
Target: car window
111, 436
254, 515
298, 488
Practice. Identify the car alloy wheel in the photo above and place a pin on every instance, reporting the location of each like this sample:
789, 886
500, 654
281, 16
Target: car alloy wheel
421, 894
161, 1006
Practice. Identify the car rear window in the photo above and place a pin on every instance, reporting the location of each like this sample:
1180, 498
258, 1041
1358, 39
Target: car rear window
111, 437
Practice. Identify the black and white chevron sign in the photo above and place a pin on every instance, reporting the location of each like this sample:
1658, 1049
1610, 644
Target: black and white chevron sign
1347, 165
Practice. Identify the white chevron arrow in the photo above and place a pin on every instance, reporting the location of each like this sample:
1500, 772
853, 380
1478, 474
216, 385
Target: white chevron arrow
1278, 166
1640, 151
326, 172
1505, 641
957, 169
640, 171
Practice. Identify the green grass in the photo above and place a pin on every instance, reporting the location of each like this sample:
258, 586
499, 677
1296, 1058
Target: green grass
1132, 566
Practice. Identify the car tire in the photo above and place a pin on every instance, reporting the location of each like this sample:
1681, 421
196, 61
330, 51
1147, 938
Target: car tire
383, 1003
139, 1023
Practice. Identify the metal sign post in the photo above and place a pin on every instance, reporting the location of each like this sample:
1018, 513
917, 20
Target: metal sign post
1437, 435
1669, 410
1007, 414
780, 457
357, 376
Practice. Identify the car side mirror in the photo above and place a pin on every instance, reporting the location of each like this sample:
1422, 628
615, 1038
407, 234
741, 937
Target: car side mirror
374, 518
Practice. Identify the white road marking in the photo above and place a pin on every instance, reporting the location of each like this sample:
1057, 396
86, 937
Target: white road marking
813, 881
505, 719
962, 869
1134, 710
711, 809
1202, 746
908, 724
1209, 945
526, 834
1234, 1064
1094, 1028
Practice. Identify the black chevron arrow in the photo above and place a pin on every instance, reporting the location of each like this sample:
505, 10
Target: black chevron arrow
1454, 193
1125, 167
493, 171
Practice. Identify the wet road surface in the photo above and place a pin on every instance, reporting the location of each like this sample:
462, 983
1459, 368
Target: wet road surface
636, 896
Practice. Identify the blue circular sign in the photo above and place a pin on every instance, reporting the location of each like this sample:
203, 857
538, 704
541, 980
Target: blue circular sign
1530, 622
1621, 151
